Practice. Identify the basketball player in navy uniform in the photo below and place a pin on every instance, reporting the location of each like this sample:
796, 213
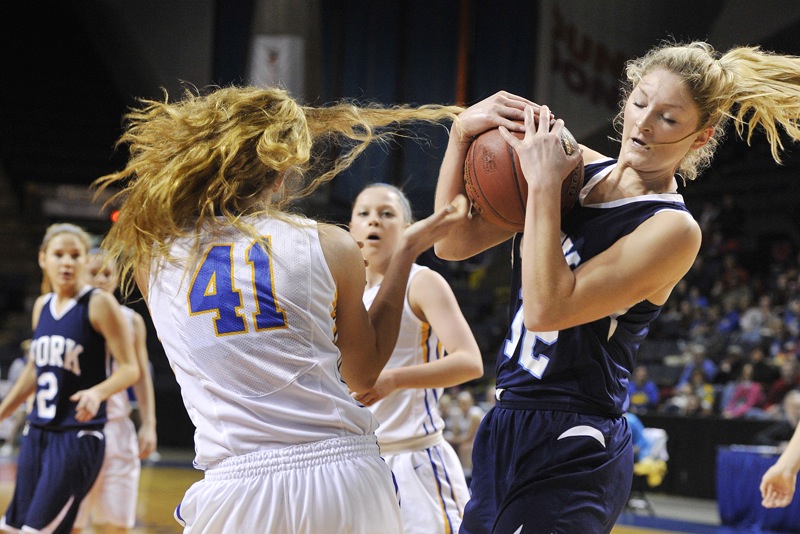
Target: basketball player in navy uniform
73, 325
555, 455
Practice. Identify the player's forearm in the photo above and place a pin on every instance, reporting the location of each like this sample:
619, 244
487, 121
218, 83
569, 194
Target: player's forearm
125, 375
145, 397
546, 278
449, 184
387, 308
19, 392
789, 460
453, 370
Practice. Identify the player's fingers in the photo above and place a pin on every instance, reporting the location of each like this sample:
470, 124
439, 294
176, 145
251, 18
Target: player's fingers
544, 119
508, 136
530, 119
146, 448
557, 127
518, 100
515, 125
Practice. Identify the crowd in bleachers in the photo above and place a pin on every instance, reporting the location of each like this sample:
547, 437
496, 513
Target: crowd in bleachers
728, 339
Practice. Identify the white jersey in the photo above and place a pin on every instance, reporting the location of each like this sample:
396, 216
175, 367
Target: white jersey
249, 333
409, 412
118, 405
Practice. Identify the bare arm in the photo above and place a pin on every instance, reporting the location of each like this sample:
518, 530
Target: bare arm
106, 318
143, 388
635, 268
474, 234
778, 483
431, 296
367, 339
26, 383
20, 391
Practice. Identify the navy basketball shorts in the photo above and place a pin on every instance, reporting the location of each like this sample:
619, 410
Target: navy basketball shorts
55, 470
545, 472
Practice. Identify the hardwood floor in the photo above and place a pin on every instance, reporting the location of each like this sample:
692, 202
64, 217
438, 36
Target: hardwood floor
160, 490
163, 484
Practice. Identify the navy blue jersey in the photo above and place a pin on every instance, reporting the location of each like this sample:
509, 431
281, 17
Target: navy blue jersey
584, 368
69, 356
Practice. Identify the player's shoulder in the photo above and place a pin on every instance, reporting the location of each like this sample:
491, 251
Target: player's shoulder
425, 277
591, 155
426, 284
41, 300
38, 306
336, 242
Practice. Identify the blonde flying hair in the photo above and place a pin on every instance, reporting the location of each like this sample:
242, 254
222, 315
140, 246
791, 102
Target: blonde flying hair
753, 87
223, 153
57, 229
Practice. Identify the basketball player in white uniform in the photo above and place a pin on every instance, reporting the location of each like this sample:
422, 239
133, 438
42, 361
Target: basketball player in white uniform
111, 503
405, 398
251, 336
259, 311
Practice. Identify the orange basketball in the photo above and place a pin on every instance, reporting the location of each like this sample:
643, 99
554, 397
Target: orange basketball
495, 183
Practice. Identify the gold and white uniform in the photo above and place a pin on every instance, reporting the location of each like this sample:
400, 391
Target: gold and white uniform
430, 478
249, 332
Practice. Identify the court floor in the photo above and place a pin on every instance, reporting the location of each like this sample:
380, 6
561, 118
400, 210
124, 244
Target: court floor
162, 485
160, 489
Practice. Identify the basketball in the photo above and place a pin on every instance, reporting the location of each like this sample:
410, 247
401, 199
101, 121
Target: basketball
495, 183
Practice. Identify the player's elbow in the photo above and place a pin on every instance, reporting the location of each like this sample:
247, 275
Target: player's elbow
360, 380
474, 369
360, 383
539, 319
451, 250
132, 373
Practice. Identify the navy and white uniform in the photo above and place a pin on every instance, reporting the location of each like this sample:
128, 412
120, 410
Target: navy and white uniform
60, 456
250, 334
567, 465
433, 489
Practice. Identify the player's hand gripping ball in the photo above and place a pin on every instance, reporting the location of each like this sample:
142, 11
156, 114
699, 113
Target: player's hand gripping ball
495, 183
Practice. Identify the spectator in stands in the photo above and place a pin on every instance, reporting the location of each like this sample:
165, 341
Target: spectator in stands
697, 358
695, 398
728, 322
730, 367
471, 416
489, 397
452, 420
733, 275
747, 399
764, 371
788, 380
730, 220
791, 316
641, 445
779, 433
756, 321
717, 334
642, 392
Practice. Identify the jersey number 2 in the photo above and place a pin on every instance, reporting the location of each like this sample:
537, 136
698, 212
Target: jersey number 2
213, 290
